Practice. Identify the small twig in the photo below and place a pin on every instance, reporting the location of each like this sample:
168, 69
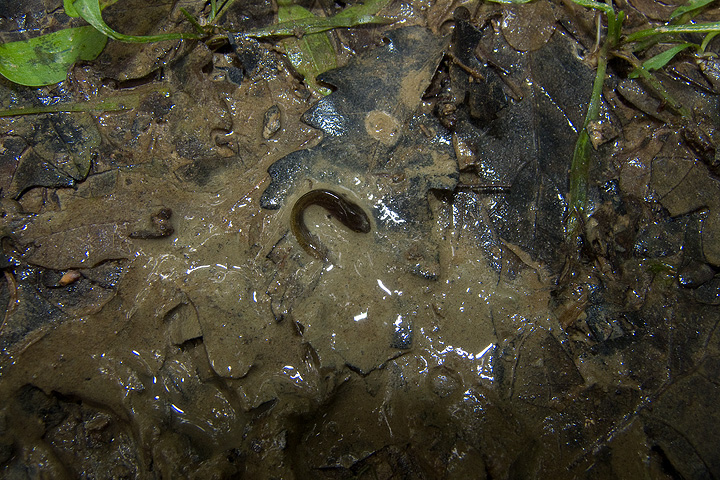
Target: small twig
485, 188
469, 70
12, 303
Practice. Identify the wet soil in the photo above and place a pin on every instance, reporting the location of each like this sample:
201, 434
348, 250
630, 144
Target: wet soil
163, 321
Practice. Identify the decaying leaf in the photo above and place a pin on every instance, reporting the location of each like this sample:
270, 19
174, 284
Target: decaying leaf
311, 54
54, 150
519, 130
685, 185
43, 299
528, 26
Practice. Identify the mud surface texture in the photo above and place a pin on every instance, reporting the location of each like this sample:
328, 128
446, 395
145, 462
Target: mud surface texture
165, 315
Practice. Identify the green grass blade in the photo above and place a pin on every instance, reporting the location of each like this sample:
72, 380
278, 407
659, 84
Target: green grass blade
113, 103
710, 27
603, 7
692, 7
661, 59
45, 60
510, 1
580, 166
89, 10
193, 22
312, 25
707, 40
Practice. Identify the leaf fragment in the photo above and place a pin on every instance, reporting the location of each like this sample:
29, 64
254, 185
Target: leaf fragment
312, 53
45, 60
70, 9
370, 7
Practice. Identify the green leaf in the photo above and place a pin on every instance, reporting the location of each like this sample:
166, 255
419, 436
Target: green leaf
661, 59
692, 6
370, 7
45, 60
312, 25
69, 9
313, 53
90, 11
510, 1
310, 55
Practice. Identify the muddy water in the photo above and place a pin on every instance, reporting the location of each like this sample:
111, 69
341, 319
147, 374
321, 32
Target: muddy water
431, 346
190, 348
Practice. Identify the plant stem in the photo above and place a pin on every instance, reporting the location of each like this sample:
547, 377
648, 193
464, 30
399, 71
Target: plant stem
655, 85
580, 167
110, 104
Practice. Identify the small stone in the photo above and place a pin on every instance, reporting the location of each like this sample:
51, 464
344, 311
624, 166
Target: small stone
695, 274
271, 122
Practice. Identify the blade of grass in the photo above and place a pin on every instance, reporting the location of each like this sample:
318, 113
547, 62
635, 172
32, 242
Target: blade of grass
223, 10
192, 21
110, 104
580, 166
675, 29
510, 1
694, 6
655, 85
603, 7
308, 26
707, 40
661, 59
89, 10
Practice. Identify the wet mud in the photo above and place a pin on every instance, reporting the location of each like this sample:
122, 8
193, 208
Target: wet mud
238, 278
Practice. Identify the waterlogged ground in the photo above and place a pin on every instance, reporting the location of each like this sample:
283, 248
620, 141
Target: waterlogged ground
163, 321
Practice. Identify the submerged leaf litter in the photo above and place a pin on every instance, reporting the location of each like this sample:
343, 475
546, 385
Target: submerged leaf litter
162, 320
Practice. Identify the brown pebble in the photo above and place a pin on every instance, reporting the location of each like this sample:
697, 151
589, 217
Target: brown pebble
69, 277
271, 122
